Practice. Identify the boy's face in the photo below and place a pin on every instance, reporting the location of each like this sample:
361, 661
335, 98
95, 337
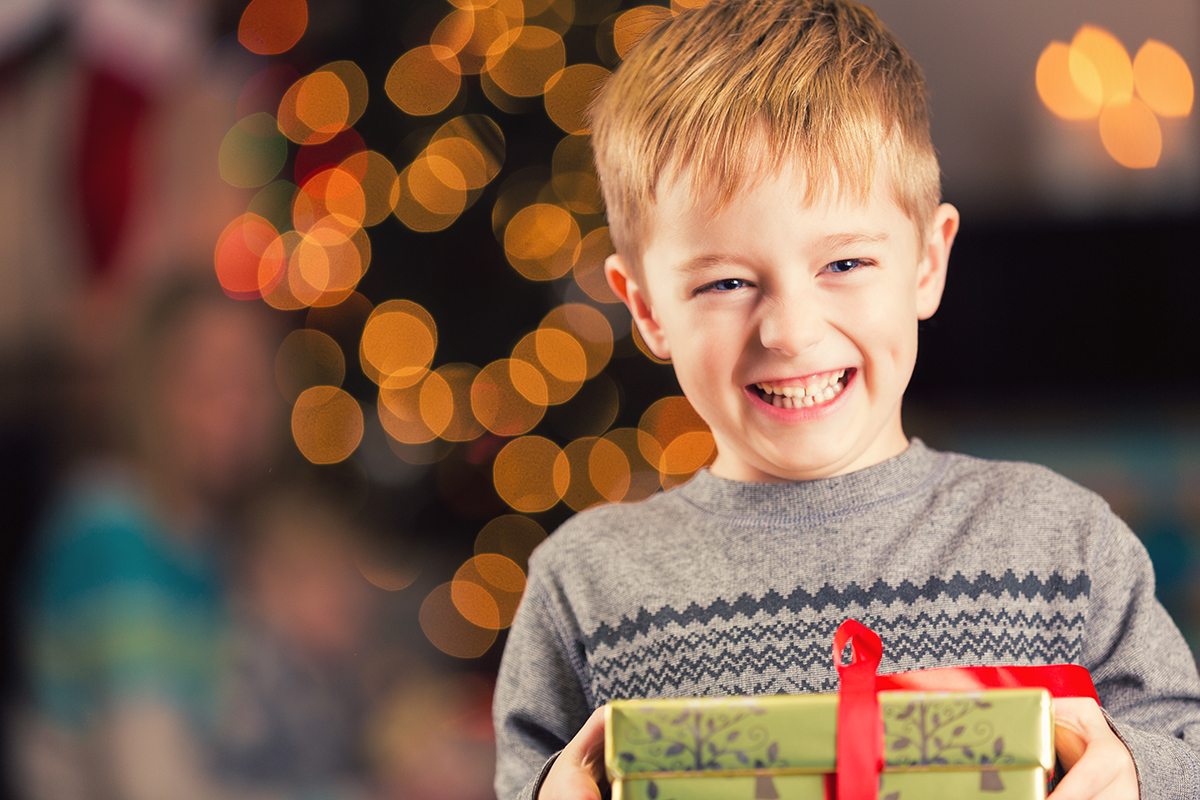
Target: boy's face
792, 329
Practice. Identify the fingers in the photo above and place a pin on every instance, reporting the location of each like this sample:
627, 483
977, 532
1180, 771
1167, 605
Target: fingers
579, 768
1098, 763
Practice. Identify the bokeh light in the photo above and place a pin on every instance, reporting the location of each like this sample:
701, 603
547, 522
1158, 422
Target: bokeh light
376, 176
560, 359
305, 359
514, 536
590, 329
398, 343
327, 424
540, 241
1097, 54
528, 62
417, 413
252, 152
685, 440
509, 397
1131, 133
575, 180
500, 578
248, 257
570, 93
316, 157
594, 250
531, 474
1163, 80
424, 80
643, 454
634, 24
462, 426
271, 27
384, 572
451, 632
1058, 88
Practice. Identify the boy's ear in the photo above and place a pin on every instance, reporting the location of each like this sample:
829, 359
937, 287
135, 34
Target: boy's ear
931, 272
624, 284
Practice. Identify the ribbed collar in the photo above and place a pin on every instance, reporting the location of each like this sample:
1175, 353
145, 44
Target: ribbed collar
891, 481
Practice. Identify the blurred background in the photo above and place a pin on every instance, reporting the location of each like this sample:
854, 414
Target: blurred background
305, 345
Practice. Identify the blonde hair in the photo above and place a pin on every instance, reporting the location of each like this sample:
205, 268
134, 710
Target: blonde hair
821, 83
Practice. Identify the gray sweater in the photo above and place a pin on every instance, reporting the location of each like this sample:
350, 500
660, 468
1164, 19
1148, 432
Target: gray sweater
721, 587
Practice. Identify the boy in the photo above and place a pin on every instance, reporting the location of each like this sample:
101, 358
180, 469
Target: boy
773, 197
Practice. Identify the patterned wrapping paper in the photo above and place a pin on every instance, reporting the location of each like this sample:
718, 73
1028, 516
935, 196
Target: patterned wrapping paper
991, 745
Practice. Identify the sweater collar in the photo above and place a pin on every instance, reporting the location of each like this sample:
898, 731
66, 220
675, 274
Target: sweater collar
766, 503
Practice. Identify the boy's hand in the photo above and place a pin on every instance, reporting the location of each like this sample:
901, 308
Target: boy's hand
579, 768
1098, 763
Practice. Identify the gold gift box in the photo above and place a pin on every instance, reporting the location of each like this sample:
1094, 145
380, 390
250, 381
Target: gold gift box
991, 745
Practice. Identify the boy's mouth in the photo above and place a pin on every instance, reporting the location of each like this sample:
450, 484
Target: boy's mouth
805, 392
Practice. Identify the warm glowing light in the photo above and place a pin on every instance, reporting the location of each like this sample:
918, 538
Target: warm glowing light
424, 80
343, 196
307, 359
531, 474
510, 535
323, 103
413, 213
570, 93
248, 257
448, 630
528, 62
438, 184
1058, 89
279, 294
643, 454
376, 176
669, 421
1096, 48
480, 141
326, 264
575, 181
476, 604
1163, 79
501, 578
462, 426
1130, 133
590, 329
271, 27
354, 81
560, 359
540, 241
417, 413
327, 424
315, 109
252, 152
679, 6
599, 473
509, 397
635, 23
594, 250
398, 343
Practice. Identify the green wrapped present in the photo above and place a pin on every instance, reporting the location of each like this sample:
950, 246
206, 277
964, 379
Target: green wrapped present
990, 745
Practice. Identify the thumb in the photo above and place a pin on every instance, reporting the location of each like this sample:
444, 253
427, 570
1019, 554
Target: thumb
586, 749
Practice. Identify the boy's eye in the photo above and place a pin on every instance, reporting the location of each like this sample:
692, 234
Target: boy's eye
844, 265
725, 285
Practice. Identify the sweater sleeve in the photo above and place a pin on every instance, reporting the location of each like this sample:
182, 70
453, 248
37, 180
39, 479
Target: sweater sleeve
1144, 672
541, 700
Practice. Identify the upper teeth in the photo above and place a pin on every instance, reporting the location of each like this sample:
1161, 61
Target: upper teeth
816, 385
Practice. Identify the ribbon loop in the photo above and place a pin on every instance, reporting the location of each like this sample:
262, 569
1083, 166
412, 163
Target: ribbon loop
860, 724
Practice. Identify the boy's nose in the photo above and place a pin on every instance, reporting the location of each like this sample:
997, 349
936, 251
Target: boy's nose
790, 326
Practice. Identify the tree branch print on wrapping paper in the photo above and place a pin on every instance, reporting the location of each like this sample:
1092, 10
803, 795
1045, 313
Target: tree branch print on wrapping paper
697, 740
929, 732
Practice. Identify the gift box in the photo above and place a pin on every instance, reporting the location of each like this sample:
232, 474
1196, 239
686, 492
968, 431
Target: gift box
940, 734
952, 745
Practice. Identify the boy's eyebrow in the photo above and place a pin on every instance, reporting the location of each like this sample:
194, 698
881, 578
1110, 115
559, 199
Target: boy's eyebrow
837, 241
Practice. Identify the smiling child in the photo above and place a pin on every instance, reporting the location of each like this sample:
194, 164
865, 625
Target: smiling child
773, 196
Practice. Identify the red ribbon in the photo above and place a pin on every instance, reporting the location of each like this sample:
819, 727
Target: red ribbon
860, 725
